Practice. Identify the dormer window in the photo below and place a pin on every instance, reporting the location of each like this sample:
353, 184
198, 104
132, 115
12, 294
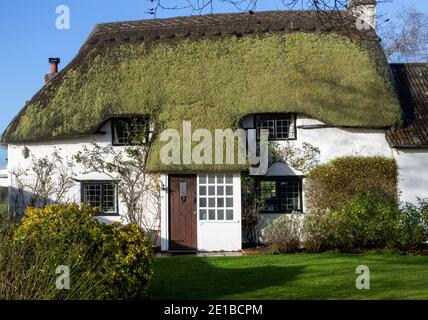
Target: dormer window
130, 131
280, 126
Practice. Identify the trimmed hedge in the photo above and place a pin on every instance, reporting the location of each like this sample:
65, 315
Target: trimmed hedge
334, 184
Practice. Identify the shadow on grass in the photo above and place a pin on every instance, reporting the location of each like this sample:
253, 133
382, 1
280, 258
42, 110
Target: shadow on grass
200, 278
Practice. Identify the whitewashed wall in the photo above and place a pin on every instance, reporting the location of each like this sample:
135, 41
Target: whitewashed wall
413, 173
67, 148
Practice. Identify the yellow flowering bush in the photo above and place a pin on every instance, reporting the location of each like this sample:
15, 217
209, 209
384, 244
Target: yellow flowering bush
122, 254
128, 262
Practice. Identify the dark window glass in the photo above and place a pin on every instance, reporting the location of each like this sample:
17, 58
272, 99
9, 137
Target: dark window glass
289, 194
269, 194
100, 195
129, 131
280, 126
281, 194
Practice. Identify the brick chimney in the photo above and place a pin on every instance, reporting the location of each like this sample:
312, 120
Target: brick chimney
365, 11
54, 62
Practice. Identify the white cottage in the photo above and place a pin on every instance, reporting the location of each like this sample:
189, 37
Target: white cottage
306, 77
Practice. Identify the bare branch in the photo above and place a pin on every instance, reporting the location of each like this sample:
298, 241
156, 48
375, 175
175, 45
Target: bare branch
405, 38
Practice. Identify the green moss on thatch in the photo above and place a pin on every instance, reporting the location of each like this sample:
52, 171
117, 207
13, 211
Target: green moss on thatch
214, 84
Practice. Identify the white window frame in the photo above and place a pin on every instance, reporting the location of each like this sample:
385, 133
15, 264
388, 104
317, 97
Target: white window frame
216, 208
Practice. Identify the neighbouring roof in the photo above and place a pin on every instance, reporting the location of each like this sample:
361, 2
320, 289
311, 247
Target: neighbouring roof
214, 70
412, 85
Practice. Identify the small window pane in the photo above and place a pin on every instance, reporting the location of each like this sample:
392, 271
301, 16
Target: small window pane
290, 195
220, 202
229, 202
93, 195
220, 214
203, 202
220, 190
211, 214
203, 214
211, 178
229, 191
211, 191
229, 179
211, 202
229, 215
109, 204
269, 194
220, 178
202, 191
203, 179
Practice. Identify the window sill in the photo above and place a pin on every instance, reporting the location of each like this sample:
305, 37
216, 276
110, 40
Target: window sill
218, 221
281, 212
107, 215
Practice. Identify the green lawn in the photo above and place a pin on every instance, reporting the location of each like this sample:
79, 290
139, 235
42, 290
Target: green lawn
298, 276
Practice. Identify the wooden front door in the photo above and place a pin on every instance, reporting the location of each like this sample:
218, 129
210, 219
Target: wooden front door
182, 212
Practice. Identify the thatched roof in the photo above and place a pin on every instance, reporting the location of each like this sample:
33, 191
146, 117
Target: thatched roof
214, 70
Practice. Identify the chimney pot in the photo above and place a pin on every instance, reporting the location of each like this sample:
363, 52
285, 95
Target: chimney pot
54, 62
364, 9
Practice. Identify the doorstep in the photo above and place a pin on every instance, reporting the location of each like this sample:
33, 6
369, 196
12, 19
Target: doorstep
220, 254
199, 254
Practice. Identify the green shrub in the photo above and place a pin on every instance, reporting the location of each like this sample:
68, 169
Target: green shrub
372, 220
284, 233
414, 225
123, 254
334, 184
318, 230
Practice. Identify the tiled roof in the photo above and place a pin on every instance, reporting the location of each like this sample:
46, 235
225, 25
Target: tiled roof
217, 25
412, 85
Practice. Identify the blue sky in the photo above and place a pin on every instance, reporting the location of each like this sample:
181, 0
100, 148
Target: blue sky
29, 36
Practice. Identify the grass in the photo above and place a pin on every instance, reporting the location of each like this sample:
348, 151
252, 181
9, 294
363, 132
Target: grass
297, 276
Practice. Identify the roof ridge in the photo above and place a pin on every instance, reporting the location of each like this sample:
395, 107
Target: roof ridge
220, 24
409, 64
255, 13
